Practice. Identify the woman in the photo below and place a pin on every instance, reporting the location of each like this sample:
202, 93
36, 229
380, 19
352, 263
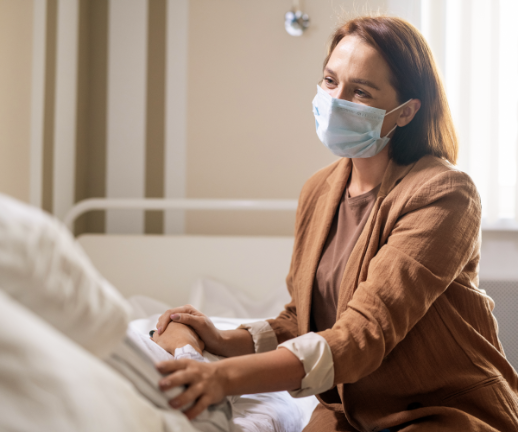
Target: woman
386, 323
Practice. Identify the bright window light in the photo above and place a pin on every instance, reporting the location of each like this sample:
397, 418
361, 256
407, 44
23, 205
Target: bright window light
480, 69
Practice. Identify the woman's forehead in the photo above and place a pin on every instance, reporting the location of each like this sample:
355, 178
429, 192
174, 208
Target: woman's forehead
354, 58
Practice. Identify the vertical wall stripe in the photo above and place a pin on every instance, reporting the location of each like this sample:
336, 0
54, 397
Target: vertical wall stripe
176, 109
48, 117
38, 100
127, 60
82, 126
155, 117
91, 111
65, 107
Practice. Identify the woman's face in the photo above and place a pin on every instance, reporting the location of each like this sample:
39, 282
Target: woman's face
356, 72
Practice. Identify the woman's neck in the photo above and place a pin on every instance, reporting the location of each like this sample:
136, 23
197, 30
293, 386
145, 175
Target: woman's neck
367, 173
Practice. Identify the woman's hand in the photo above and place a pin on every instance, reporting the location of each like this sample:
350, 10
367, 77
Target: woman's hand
202, 325
206, 384
209, 383
178, 335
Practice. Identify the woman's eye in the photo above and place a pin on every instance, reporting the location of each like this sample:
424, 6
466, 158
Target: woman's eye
329, 81
360, 93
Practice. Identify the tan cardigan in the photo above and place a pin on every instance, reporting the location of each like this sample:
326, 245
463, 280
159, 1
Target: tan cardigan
414, 336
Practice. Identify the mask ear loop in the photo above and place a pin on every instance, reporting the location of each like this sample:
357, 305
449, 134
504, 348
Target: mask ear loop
395, 109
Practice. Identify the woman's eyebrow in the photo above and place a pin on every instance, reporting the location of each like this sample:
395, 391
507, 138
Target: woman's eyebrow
329, 71
364, 82
354, 80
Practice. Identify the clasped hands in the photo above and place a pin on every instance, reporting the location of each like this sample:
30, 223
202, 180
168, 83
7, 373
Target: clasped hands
209, 383
204, 381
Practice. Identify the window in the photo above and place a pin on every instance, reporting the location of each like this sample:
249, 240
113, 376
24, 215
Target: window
475, 43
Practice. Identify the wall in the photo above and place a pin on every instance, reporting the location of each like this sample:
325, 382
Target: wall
250, 126
179, 98
499, 256
15, 97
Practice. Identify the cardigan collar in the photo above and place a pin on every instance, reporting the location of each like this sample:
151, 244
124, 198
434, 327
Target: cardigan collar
394, 173
326, 207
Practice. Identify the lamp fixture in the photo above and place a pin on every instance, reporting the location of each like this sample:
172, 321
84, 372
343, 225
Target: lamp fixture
296, 21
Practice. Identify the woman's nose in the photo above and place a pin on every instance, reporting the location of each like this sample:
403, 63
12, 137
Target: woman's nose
339, 92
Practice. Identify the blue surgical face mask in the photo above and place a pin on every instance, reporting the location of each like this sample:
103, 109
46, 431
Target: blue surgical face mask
349, 129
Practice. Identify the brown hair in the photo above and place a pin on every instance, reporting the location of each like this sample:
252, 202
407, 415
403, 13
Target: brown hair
414, 76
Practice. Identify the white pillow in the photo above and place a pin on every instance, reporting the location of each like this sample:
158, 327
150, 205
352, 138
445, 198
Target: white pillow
215, 299
45, 269
49, 383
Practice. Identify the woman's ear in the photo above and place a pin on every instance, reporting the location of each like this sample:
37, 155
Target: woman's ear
408, 112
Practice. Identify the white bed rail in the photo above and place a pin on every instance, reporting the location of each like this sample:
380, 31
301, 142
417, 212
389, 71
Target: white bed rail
173, 204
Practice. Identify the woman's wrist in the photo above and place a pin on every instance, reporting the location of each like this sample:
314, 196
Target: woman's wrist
221, 372
224, 343
234, 343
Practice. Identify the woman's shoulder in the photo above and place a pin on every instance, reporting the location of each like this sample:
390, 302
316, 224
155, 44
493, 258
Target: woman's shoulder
431, 172
433, 164
431, 179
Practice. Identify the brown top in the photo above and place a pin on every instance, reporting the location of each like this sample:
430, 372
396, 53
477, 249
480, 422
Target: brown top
350, 218
415, 340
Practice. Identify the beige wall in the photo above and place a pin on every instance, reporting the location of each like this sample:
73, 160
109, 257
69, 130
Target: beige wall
15, 96
251, 131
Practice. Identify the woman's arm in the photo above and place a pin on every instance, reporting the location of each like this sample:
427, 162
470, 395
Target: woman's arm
209, 383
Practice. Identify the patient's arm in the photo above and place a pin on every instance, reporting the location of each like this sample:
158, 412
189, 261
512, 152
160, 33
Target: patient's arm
226, 343
177, 335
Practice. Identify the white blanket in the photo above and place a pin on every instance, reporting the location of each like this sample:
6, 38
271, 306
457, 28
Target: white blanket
57, 317
44, 269
49, 383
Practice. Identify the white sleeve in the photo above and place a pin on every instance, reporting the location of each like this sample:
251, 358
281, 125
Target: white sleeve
263, 335
315, 354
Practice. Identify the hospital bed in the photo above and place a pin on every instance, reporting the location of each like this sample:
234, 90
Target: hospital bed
233, 278
167, 267
180, 269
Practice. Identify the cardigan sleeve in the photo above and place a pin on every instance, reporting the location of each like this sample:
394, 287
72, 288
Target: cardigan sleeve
285, 325
428, 246
262, 334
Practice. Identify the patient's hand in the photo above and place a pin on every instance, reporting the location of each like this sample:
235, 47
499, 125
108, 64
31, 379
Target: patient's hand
177, 335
